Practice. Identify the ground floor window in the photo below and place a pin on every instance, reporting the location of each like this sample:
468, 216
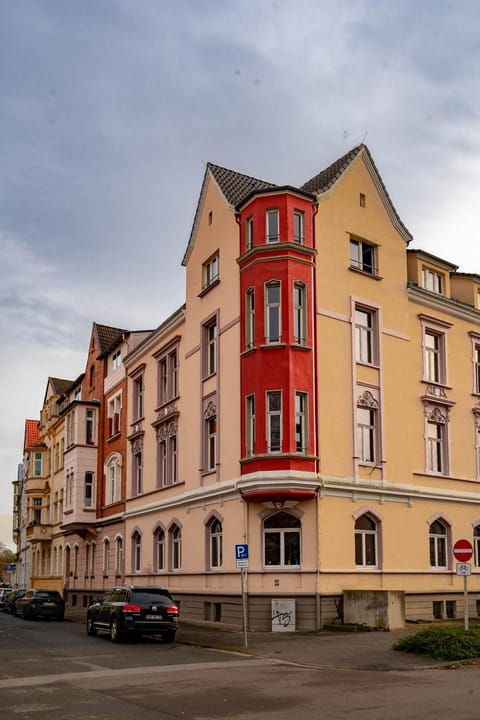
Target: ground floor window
281, 540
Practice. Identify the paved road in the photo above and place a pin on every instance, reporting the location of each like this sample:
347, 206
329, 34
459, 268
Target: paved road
53, 671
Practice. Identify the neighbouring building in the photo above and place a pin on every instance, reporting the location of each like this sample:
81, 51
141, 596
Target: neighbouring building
317, 398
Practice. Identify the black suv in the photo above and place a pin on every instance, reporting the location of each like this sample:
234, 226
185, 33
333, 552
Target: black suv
129, 610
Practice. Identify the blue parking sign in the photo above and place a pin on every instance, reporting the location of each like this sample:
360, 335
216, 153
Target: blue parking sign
241, 552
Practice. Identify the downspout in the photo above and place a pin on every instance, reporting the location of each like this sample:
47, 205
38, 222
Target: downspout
318, 615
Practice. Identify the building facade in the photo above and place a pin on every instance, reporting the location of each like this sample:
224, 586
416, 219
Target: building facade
317, 398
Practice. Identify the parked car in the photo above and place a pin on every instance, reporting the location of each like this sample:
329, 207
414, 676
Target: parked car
3, 594
36, 603
9, 600
129, 610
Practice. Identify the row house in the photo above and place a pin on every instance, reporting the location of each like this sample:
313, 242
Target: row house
317, 397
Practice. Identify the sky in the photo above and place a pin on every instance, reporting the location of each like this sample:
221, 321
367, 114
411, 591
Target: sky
110, 109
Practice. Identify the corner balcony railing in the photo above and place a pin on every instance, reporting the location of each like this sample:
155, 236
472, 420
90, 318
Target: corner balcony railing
39, 532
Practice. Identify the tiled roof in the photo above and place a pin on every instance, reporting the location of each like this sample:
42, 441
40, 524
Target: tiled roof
108, 336
60, 386
236, 186
32, 433
326, 178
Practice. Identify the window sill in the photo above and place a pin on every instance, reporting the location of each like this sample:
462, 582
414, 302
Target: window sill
301, 346
209, 287
365, 273
248, 351
373, 365
114, 437
281, 568
273, 346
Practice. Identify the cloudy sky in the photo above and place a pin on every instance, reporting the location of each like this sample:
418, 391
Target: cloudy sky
110, 109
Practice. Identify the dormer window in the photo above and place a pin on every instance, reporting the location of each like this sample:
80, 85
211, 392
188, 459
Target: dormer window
432, 281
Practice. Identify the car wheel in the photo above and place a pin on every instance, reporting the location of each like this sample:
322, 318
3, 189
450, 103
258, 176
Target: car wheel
91, 629
169, 636
115, 633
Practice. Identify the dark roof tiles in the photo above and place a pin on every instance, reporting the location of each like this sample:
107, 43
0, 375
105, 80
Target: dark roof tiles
108, 337
236, 186
328, 177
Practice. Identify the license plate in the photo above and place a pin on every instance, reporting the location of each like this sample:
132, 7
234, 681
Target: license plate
50, 604
152, 617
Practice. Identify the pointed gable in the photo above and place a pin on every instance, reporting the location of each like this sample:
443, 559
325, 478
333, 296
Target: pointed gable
327, 178
107, 337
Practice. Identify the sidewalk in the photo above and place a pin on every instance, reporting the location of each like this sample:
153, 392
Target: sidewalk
325, 649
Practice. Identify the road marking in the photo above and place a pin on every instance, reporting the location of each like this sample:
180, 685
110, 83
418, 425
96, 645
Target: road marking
93, 675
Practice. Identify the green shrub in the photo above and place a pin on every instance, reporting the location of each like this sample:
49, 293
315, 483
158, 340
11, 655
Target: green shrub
443, 643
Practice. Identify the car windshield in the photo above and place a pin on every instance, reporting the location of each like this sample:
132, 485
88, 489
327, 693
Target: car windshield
153, 595
53, 595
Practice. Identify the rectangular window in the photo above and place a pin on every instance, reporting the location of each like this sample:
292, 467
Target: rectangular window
210, 348
273, 313
138, 398
116, 359
435, 447
89, 489
138, 473
363, 256
273, 228
162, 462
114, 415
249, 233
172, 458
432, 281
274, 421
167, 460
37, 510
167, 378
366, 428
249, 318
299, 313
211, 271
90, 427
301, 422
298, 227
250, 424
476, 365
365, 335
211, 436
433, 348
38, 464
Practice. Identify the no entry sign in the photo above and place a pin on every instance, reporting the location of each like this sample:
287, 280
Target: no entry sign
462, 550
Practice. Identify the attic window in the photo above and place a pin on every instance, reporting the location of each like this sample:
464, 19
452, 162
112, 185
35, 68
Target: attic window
210, 217
432, 281
362, 200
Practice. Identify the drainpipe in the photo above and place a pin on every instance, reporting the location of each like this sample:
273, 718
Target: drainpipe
315, 396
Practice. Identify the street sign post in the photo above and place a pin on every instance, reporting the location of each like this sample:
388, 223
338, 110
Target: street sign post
241, 558
462, 552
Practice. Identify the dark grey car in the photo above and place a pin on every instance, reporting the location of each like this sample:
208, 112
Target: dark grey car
132, 610
40, 603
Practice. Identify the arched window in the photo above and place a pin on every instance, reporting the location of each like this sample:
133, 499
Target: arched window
476, 545
281, 540
106, 557
118, 556
365, 541
175, 537
113, 478
136, 552
159, 549
215, 543
438, 544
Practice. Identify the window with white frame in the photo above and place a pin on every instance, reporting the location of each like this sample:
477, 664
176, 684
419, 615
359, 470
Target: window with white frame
138, 398
363, 256
298, 227
175, 537
168, 376
114, 414
89, 498
476, 368
477, 440
273, 226
211, 438
436, 440
36, 516
136, 552
273, 317
365, 335
250, 424
116, 359
438, 537
38, 464
113, 475
432, 280
274, 421
249, 233
90, 427
301, 416
281, 540
167, 453
433, 348
210, 333
215, 544
299, 313
365, 541
211, 271
159, 549
250, 318
368, 428
137, 469
476, 546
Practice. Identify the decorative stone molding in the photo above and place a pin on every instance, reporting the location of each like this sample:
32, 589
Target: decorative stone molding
367, 400
211, 411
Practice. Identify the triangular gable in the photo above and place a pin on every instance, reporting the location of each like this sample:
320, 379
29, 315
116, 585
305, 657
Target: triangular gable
56, 386
325, 181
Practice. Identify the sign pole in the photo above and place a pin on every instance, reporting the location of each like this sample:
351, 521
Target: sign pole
244, 607
465, 602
